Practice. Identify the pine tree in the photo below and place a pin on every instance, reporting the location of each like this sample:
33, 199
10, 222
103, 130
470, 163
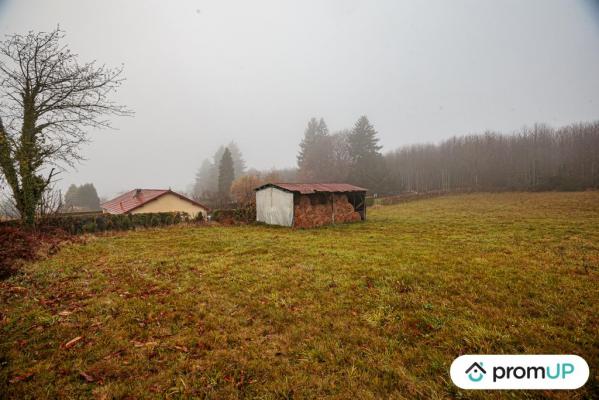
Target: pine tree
226, 175
84, 197
89, 197
205, 182
238, 161
71, 197
368, 167
315, 158
307, 144
363, 140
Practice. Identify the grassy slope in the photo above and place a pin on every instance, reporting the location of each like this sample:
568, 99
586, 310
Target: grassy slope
370, 310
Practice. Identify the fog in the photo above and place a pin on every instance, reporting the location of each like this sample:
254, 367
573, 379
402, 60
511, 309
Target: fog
203, 73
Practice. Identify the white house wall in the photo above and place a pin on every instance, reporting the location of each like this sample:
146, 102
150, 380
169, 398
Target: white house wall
274, 206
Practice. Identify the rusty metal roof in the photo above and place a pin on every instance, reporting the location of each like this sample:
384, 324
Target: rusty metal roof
138, 197
311, 188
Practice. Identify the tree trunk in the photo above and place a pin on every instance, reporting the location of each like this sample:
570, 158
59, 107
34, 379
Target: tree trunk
31, 189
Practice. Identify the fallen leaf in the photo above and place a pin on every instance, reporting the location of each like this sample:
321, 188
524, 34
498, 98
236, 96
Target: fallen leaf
20, 378
72, 342
155, 389
65, 313
86, 376
113, 354
142, 344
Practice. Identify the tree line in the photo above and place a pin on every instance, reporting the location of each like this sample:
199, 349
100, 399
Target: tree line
349, 155
536, 158
532, 159
216, 175
224, 180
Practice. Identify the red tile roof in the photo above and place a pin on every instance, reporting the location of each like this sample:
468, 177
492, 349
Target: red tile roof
135, 198
311, 188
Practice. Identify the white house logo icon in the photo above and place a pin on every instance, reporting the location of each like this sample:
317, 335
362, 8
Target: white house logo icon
476, 372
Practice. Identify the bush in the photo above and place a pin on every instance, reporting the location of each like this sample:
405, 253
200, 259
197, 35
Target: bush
223, 216
100, 223
244, 214
15, 244
89, 227
92, 223
155, 220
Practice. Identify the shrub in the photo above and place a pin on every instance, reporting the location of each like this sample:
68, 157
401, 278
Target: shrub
155, 220
19, 244
125, 222
244, 214
89, 227
77, 224
177, 218
15, 244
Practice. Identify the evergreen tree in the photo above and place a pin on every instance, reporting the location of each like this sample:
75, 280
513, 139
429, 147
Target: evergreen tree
218, 155
368, 168
238, 161
363, 140
315, 158
306, 144
226, 175
88, 197
82, 198
71, 197
206, 181
206, 184
341, 156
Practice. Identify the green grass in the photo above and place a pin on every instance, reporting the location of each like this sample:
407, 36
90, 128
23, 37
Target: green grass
370, 310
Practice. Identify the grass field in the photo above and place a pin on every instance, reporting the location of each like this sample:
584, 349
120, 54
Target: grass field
368, 310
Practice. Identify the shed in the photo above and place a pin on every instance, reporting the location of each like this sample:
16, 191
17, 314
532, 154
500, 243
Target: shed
308, 205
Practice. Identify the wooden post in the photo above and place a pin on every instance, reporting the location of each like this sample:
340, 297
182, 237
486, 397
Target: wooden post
333, 206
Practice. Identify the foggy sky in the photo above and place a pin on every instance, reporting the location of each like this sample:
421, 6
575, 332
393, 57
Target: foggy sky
203, 73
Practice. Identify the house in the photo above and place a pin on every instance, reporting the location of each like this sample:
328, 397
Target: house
307, 205
139, 201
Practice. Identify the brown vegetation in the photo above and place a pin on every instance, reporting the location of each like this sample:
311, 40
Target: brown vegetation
243, 187
318, 210
18, 245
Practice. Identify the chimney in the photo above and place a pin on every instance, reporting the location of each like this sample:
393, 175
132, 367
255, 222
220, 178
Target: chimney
137, 192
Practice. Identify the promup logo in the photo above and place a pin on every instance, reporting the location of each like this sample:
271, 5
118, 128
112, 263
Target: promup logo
476, 372
519, 372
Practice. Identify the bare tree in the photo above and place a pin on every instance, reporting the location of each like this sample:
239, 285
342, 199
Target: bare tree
536, 158
48, 101
50, 203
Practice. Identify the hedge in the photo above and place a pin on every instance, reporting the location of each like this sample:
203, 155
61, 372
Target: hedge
77, 224
244, 214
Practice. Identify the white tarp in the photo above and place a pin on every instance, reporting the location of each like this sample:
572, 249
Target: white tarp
274, 206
